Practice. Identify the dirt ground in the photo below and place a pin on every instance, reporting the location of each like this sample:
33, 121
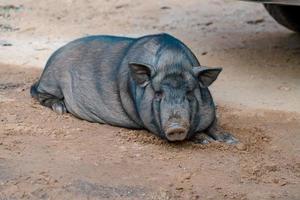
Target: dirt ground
47, 156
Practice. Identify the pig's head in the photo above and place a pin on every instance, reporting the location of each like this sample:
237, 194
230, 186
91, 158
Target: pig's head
168, 97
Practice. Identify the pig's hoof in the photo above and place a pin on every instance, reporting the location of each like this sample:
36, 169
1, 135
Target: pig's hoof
219, 137
59, 107
224, 137
202, 139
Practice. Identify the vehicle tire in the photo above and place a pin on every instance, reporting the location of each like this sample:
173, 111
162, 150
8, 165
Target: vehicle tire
286, 15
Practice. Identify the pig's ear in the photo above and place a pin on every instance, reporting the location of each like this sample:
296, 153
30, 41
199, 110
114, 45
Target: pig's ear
206, 76
140, 73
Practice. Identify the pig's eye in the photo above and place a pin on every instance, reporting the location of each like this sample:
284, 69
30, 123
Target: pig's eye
158, 94
189, 92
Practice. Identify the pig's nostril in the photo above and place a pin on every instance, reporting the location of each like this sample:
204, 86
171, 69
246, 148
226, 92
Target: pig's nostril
176, 132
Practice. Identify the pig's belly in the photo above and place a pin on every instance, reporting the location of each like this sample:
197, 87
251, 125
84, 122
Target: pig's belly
103, 107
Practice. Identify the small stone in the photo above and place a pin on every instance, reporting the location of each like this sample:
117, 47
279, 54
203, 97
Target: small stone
165, 7
271, 168
283, 183
284, 88
179, 188
171, 184
208, 23
5, 43
276, 181
241, 146
187, 176
257, 21
265, 139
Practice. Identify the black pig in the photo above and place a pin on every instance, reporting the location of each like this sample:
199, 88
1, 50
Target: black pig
153, 82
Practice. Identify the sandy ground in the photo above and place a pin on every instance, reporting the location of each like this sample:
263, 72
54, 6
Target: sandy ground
46, 156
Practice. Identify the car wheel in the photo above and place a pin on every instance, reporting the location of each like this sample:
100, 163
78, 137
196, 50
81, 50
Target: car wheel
288, 16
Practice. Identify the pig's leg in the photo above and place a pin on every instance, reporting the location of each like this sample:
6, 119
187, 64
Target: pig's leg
215, 133
50, 101
218, 134
201, 138
54, 102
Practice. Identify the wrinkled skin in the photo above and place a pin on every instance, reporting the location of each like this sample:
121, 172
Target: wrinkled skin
153, 82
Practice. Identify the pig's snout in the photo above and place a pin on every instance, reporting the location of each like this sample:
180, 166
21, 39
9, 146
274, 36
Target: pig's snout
176, 132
